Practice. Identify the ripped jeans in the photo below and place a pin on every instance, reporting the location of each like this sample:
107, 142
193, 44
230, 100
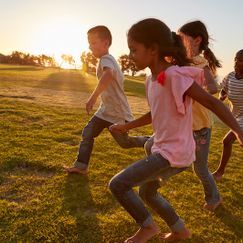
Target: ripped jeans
202, 138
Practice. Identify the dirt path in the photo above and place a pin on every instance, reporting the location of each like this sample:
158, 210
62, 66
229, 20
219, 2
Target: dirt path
63, 98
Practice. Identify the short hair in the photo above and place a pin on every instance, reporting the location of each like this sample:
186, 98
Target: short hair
240, 52
102, 31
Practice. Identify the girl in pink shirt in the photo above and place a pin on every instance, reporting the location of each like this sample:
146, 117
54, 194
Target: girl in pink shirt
169, 91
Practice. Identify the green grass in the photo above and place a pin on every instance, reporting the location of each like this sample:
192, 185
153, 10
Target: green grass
40, 203
59, 79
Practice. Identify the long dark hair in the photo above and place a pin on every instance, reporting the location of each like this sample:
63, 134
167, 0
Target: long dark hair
195, 29
152, 31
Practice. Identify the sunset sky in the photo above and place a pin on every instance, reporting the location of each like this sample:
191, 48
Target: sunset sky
55, 27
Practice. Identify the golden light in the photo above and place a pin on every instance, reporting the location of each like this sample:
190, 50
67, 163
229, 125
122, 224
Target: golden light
62, 36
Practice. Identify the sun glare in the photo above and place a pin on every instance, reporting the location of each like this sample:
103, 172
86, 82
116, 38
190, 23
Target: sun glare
62, 37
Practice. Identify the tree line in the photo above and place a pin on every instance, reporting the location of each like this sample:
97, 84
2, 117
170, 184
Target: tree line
88, 61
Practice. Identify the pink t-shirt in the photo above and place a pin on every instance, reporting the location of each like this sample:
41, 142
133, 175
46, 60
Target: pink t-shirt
172, 114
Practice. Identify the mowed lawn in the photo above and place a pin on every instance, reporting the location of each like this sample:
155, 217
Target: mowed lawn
39, 202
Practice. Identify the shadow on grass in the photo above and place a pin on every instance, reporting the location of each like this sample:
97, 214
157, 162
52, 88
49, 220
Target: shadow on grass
234, 223
79, 203
17, 97
65, 80
21, 162
20, 69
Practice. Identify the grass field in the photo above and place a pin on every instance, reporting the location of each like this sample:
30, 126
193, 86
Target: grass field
39, 202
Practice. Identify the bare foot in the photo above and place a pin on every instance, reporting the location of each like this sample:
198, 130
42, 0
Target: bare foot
217, 176
75, 170
212, 207
173, 236
144, 234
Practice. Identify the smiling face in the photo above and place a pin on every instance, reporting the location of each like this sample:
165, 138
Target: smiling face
141, 55
239, 64
98, 46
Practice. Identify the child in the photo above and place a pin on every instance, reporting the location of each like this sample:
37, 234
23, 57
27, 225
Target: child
113, 108
232, 87
170, 89
195, 38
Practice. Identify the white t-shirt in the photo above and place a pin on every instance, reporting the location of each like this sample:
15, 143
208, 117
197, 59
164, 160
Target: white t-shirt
114, 106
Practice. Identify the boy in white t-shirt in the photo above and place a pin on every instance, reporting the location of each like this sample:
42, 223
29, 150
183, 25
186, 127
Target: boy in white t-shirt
114, 107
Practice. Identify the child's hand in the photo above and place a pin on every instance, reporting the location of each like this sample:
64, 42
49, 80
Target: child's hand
119, 128
222, 95
90, 103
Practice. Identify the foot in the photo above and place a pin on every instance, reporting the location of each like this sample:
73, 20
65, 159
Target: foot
144, 234
76, 170
217, 176
174, 236
212, 207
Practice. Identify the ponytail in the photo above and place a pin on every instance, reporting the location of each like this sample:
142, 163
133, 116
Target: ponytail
179, 52
213, 62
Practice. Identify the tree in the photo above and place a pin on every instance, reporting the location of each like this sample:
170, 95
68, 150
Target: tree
127, 64
89, 62
67, 59
27, 59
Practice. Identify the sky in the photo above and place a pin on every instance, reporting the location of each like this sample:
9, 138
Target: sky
56, 27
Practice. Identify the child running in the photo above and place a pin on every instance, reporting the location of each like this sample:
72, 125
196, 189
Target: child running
195, 38
113, 108
170, 89
232, 87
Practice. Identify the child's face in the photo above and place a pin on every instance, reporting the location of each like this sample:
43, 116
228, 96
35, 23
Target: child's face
98, 46
239, 63
139, 54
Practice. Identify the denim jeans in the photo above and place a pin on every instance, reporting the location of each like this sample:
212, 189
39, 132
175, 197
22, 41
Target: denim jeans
146, 174
200, 166
94, 127
202, 139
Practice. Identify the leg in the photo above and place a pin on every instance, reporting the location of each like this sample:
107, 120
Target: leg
212, 197
226, 153
126, 141
121, 186
148, 192
92, 130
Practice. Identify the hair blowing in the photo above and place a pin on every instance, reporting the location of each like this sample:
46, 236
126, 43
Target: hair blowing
195, 29
153, 32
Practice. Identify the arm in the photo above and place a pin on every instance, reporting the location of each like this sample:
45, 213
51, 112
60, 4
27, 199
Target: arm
217, 107
104, 82
222, 95
139, 122
210, 81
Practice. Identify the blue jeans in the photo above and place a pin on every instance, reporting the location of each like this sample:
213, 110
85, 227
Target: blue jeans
200, 166
146, 174
94, 127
